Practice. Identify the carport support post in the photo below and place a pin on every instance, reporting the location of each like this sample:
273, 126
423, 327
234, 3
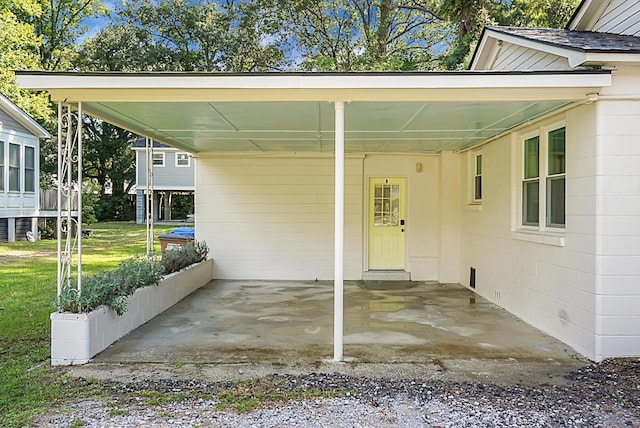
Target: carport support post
338, 280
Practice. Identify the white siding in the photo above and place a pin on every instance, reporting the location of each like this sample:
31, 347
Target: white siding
18, 204
272, 218
620, 17
167, 177
513, 57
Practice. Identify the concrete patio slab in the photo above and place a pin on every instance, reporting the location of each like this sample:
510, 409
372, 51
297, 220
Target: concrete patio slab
291, 322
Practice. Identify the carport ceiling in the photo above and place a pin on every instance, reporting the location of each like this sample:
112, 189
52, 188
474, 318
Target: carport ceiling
294, 112
309, 126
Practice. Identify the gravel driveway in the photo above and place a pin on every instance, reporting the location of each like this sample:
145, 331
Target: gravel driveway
594, 395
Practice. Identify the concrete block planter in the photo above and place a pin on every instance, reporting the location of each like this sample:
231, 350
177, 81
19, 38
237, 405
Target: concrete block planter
76, 338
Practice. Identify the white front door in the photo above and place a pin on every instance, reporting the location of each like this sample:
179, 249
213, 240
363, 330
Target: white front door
386, 223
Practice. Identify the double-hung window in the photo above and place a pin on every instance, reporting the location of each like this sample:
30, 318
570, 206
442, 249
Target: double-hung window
543, 183
1, 165
14, 167
158, 159
182, 159
29, 169
477, 178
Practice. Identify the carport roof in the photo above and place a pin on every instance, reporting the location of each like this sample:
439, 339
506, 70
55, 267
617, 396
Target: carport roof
425, 112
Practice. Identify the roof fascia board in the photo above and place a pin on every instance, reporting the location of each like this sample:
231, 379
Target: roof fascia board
486, 53
587, 14
455, 86
611, 58
574, 56
23, 118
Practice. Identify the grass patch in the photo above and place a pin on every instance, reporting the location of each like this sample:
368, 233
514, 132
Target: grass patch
28, 385
249, 395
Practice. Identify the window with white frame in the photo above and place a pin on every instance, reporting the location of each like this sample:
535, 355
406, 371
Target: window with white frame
14, 167
183, 159
158, 159
543, 183
477, 177
1, 165
29, 169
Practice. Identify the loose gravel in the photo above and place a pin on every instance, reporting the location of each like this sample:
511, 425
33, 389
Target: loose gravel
596, 395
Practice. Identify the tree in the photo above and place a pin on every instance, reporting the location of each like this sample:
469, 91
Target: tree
19, 50
209, 35
540, 13
110, 163
59, 26
347, 35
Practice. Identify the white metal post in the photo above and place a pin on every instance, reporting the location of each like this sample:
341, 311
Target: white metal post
338, 296
149, 199
79, 229
59, 205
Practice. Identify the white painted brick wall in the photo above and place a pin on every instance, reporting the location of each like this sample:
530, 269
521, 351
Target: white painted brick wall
551, 287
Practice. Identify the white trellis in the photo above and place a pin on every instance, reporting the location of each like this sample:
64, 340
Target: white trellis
69, 229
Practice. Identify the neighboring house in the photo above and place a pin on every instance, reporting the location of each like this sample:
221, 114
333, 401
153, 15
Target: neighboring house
19, 172
519, 179
173, 173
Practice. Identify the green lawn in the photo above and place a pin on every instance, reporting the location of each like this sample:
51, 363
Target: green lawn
28, 385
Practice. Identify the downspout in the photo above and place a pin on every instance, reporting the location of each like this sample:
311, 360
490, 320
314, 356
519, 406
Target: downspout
338, 297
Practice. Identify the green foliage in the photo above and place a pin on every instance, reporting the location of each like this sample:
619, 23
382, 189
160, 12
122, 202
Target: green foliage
28, 385
111, 288
182, 205
178, 258
118, 208
180, 35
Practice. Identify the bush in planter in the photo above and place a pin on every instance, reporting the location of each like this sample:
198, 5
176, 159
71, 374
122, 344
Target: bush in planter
178, 258
111, 288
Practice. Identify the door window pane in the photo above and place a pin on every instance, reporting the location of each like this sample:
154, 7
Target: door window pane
386, 205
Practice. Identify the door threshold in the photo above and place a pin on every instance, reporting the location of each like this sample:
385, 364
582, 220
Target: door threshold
386, 275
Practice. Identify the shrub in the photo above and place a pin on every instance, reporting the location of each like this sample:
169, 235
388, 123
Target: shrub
178, 258
111, 288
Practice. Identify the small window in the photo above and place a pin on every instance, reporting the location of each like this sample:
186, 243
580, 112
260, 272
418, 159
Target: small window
477, 178
1, 165
29, 169
14, 168
183, 159
531, 183
158, 159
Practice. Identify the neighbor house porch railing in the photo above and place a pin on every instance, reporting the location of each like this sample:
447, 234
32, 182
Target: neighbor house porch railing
49, 200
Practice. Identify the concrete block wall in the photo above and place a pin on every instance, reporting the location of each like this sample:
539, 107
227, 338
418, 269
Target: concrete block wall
546, 278
617, 246
267, 217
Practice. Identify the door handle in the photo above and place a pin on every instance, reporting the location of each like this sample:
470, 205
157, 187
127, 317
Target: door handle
402, 222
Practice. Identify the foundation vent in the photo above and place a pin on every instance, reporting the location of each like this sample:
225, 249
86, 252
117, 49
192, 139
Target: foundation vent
472, 277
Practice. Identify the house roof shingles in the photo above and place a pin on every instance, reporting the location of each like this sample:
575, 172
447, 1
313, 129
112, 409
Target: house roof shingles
586, 41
